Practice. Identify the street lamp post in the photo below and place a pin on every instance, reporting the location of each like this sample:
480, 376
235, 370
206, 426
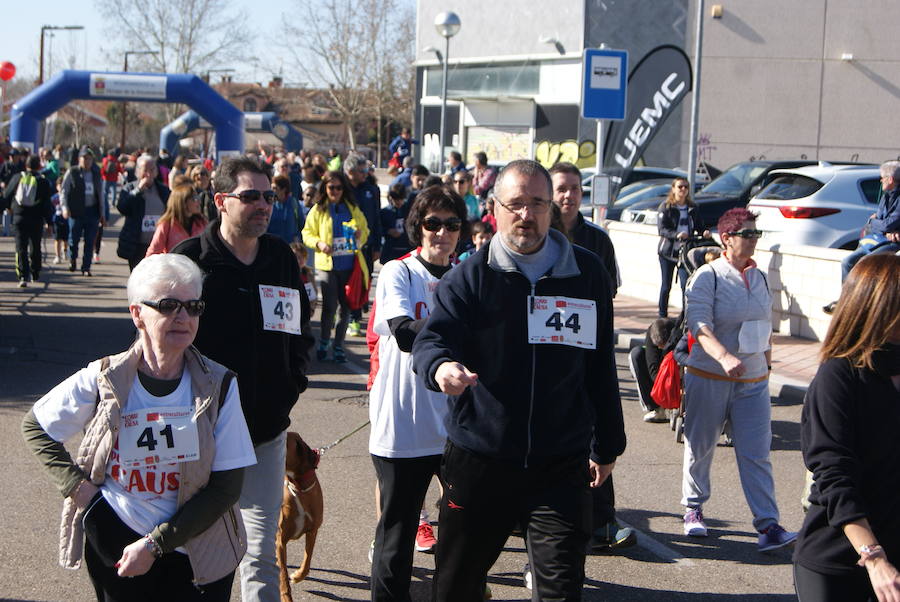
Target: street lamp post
447, 24
50, 28
123, 115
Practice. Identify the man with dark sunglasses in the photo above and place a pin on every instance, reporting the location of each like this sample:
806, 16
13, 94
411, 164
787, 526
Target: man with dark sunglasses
256, 322
521, 339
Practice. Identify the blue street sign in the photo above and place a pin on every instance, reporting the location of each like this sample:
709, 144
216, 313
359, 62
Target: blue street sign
603, 84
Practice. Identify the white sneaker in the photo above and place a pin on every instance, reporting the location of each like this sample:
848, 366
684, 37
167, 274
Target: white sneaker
693, 523
657, 415
526, 575
56, 259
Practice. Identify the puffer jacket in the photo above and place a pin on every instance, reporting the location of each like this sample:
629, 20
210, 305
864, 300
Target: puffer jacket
319, 228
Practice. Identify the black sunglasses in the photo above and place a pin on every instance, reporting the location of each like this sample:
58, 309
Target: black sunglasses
251, 196
167, 306
433, 224
746, 233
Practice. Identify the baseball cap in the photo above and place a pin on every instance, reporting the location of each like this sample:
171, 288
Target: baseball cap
85, 150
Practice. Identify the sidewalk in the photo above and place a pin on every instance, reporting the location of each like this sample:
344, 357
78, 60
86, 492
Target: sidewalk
794, 360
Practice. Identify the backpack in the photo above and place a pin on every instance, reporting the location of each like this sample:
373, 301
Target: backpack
112, 168
26, 192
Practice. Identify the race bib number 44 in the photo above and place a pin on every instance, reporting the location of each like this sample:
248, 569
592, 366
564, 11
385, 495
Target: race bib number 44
562, 321
160, 435
280, 308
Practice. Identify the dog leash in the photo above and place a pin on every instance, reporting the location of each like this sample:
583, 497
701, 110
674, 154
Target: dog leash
322, 450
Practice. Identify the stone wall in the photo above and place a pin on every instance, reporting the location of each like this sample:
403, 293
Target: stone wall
802, 279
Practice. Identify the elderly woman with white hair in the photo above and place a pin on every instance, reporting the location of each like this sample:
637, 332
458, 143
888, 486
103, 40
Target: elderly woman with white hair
150, 500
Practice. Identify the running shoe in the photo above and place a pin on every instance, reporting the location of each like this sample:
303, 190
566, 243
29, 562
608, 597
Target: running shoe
23, 283
96, 257
56, 259
613, 537
775, 537
526, 575
354, 329
694, 525
322, 351
371, 551
338, 355
425, 539
657, 415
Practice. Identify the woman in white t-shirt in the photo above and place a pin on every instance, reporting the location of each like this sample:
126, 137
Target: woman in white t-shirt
408, 434
151, 498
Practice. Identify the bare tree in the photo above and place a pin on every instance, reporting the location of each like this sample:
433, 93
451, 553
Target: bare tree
340, 47
188, 36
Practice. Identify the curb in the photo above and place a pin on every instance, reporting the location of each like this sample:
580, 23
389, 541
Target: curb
782, 387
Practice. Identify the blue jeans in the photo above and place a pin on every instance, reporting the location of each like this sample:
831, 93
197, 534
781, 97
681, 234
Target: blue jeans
83, 227
261, 508
109, 202
850, 260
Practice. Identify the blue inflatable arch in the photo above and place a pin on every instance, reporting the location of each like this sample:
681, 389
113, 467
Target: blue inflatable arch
267, 121
227, 120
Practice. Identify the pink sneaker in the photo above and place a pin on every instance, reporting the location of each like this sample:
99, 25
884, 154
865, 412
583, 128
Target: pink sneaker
425, 539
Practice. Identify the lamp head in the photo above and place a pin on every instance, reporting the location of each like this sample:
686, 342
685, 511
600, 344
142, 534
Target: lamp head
447, 24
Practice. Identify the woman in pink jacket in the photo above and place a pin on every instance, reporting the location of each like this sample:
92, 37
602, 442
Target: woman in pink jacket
181, 220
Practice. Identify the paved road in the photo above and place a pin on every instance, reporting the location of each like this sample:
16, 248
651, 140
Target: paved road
49, 331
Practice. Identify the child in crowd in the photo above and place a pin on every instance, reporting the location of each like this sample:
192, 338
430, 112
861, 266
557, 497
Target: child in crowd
482, 232
643, 361
306, 273
60, 226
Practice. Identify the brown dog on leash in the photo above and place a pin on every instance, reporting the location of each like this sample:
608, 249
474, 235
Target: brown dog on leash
301, 509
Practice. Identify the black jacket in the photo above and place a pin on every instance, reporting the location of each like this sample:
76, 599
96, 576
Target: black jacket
271, 366
667, 226
593, 238
534, 403
73, 190
848, 434
130, 203
41, 211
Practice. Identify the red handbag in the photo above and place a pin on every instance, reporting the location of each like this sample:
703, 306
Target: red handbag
666, 390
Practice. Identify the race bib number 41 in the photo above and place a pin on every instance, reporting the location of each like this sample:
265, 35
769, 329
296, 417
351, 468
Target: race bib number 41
161, 435
280, 308
562, 321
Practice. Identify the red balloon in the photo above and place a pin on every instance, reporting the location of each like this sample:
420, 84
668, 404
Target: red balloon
7, 71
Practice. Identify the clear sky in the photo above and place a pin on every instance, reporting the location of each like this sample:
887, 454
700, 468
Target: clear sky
20, 30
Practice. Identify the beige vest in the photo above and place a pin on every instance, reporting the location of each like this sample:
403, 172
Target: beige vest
213, 553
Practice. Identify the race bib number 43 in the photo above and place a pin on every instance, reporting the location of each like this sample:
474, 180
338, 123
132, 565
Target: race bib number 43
280, 308
562, 321
161, 435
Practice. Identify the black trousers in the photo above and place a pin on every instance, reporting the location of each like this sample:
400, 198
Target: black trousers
169, 578
812, 586
603, 503
28, 261
137, 257
484, 499
403, 483
667, 270
637, 364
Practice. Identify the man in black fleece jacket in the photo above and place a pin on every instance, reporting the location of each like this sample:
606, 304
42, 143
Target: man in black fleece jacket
256, 323
521, 338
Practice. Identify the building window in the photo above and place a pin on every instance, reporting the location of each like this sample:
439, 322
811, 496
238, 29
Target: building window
488, 80
249, 105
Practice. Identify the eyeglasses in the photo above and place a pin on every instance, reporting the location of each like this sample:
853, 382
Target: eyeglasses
460, 181
167, 306
251, 196
433, 224
537, 208
746, 233
681, 186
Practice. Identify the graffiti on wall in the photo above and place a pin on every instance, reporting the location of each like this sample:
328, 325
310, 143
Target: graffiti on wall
705, 148
582, 154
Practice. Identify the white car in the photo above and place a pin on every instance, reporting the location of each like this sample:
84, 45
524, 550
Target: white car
820, 205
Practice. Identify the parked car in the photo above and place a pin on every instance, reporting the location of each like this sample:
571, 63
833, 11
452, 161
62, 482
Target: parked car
732, 188
821, 205
637, 175
635, 193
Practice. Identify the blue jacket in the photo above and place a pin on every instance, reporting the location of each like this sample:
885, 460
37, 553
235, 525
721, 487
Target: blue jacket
401, 145
887, 216
368, 199
392, 248
534, 403
284, 220
404, 177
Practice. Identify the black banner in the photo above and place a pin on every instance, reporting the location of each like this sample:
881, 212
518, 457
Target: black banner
655, 87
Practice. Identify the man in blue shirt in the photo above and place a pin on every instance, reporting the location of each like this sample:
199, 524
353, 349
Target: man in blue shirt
402, 145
